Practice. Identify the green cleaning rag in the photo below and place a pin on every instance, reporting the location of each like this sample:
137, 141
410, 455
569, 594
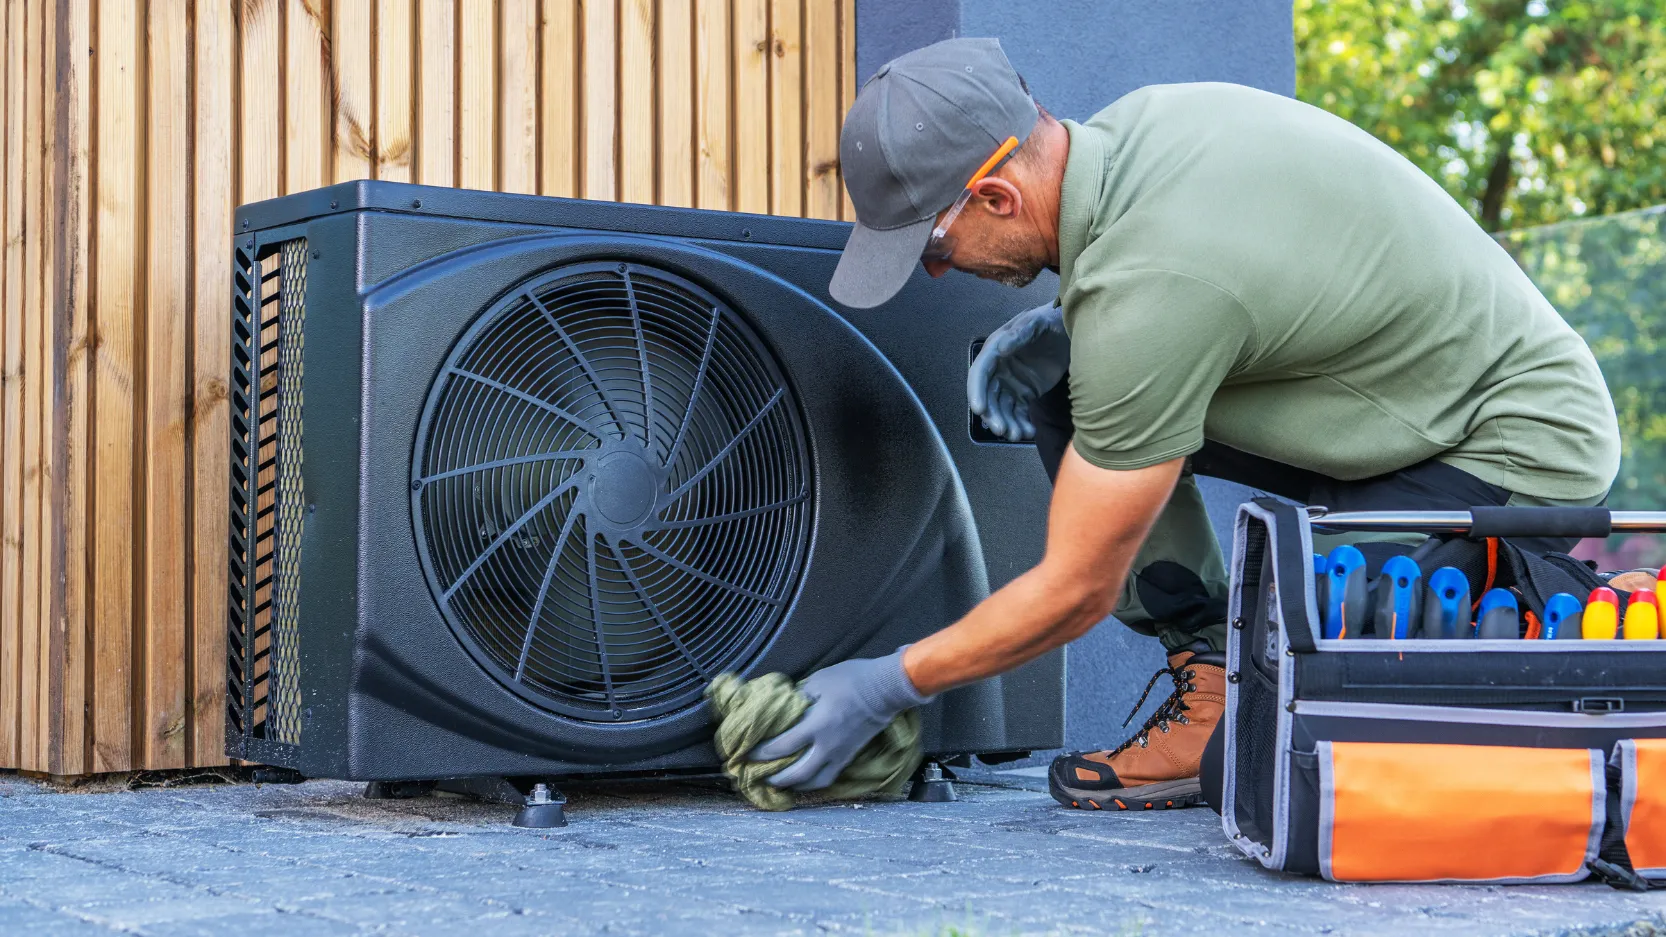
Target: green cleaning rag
752, 711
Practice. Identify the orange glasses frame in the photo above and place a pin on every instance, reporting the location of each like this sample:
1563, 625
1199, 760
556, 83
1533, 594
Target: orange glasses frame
938, 247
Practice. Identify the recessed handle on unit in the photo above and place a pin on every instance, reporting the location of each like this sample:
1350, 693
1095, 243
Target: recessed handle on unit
1498, 521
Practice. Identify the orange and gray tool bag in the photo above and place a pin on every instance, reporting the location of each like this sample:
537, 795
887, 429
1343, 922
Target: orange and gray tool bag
1421, 760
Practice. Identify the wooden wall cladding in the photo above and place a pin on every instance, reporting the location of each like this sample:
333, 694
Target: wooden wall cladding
133, 128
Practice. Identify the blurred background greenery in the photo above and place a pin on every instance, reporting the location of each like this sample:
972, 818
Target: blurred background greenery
1545, 120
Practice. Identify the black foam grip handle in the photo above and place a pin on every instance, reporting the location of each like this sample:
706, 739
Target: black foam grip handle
1540, 522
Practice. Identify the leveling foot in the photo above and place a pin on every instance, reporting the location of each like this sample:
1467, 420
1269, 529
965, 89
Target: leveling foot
931, 787
544, 809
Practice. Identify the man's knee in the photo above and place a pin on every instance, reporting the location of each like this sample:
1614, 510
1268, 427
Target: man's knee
1166, 601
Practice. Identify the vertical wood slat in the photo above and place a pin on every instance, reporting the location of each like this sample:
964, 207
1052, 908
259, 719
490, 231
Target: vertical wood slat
50, 682
215, 194
821, 109
260, 156
261, 132
11, 396
599, 87
786, 108
166, 226
751, 114
477, 95
63, 716
711, 104
34, 389
674, 69
558, 75
261, 145
635, 155
350, 58
847, 90
437, 92
394, 47
71, 241
117, 233
306, 87
517, 82
114, 325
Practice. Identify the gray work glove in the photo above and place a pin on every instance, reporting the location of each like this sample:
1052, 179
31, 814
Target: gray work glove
851, 702
1019, 362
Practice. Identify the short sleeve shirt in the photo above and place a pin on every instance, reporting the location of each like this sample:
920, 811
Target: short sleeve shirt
1243, 267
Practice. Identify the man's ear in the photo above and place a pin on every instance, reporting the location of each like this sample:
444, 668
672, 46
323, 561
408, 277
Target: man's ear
999, 197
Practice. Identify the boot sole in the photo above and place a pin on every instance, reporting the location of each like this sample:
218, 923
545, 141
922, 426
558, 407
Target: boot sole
1166, 795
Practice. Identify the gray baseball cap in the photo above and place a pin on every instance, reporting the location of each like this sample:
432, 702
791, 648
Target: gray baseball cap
921, 126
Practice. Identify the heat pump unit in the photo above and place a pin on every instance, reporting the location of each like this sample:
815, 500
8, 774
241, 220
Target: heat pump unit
514, 477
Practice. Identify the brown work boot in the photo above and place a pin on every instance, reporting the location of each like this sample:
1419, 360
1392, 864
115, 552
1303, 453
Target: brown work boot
1158, 766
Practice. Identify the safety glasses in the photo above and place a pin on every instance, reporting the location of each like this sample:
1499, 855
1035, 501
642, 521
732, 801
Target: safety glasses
941, 246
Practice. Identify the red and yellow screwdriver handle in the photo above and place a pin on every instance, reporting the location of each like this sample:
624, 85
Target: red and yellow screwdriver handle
1601, 620
1642, 621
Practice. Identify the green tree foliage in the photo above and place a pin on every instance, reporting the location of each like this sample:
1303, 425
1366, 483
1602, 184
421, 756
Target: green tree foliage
1528, 111
1607, 276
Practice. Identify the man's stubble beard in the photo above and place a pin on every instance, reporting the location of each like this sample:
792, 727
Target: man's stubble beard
1017, 274
1017, 279
1014, 275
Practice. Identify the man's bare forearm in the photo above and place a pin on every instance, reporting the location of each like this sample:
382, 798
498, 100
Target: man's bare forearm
1022, 621
1097, 522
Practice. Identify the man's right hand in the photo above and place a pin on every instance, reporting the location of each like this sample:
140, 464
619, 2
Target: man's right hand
1019, 362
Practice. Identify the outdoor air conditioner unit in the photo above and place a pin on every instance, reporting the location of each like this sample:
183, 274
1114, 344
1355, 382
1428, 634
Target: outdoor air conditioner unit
514, 477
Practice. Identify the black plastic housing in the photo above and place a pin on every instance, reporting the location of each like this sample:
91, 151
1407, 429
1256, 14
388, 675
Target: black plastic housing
341, 662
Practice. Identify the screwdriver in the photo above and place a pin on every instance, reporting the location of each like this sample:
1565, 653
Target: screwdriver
1498, 617
1601, 620
1643, 616
1397, 605
1562, 613
1319, 583
1446, 606
1344, 592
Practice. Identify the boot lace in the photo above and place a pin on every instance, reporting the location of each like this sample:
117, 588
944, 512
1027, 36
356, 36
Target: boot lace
1172, 709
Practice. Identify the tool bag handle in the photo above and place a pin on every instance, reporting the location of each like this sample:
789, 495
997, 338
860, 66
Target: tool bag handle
1482, 522
1293, 565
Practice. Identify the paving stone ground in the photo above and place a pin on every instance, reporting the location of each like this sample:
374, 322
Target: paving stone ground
688, 858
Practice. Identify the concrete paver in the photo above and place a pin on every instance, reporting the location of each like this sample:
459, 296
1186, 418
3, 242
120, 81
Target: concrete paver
689, 858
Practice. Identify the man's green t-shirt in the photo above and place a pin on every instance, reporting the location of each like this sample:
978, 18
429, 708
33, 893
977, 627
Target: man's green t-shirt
1244, 267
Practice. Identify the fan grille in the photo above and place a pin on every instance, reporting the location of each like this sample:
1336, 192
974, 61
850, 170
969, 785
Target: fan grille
611, 491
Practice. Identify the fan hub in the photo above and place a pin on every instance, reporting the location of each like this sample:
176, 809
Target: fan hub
625, 487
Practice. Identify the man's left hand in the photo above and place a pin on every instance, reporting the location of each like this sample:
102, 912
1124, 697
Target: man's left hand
851, 702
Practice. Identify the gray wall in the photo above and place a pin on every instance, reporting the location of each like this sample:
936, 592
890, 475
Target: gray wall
1078, 56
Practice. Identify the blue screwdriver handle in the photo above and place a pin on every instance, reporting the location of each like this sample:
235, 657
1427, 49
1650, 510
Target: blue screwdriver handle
1320, 584
1563, 613
1397, 607
1344, 593
1446, 604
1498, 616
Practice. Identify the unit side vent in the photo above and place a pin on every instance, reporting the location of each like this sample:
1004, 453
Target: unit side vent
267, 504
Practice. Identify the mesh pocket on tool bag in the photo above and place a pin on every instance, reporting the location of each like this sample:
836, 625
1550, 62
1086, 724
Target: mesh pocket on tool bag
1256, 735
1458, 813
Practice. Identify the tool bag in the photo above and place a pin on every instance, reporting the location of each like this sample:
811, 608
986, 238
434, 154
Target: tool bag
1368, 760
